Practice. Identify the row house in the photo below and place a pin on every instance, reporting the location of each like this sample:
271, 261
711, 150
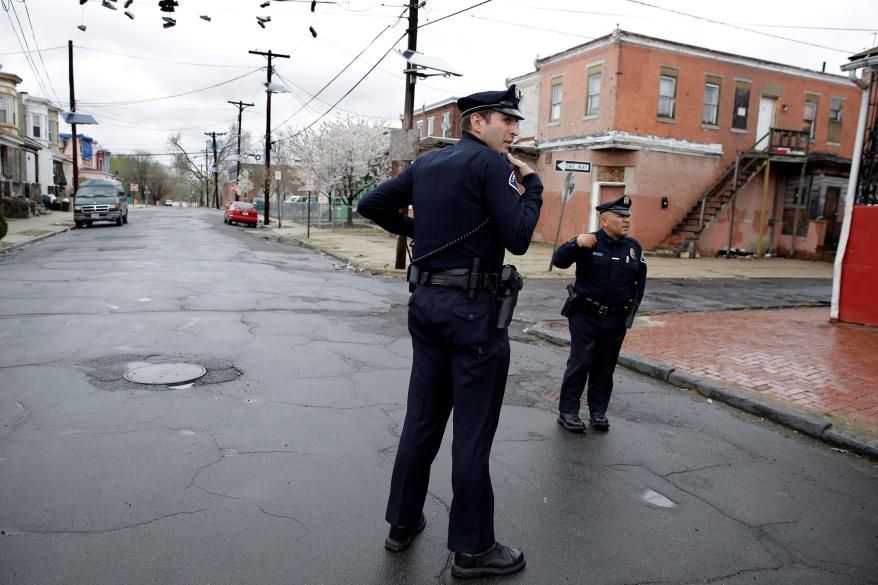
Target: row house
31, 159
717, 150
93, 160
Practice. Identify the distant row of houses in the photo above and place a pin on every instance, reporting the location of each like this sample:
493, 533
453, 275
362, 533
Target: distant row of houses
36, 158
709, 145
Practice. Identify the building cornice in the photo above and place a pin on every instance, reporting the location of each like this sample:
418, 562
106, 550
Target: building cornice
617, 140
621, 36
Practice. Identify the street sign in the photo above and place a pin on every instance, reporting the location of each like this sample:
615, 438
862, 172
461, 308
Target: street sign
569, 186
573, 166
277, 175
133, 187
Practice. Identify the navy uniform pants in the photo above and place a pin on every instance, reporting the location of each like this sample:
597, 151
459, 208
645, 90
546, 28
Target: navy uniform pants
459, 365
595, 343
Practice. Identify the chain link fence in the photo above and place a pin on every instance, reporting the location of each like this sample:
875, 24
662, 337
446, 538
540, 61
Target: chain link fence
320, 215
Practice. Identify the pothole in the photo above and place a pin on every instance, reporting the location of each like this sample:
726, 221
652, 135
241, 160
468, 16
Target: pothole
165, 374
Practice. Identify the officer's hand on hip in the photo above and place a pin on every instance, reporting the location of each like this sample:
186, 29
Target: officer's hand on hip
586, 240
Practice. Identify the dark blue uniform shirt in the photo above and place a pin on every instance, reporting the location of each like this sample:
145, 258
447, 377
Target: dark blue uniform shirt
612, 272
452, 191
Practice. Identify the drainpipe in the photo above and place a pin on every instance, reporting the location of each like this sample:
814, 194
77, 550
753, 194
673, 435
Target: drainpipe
850, 195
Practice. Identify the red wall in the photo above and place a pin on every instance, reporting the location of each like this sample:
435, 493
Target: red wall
859, 275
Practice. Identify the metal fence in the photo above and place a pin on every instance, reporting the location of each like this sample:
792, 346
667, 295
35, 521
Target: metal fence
319, 215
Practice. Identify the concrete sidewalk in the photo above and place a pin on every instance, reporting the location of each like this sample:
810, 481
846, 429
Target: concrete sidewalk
33, 229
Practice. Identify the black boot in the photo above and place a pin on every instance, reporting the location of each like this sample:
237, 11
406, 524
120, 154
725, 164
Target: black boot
497, 560
571, 422
599, 421
400, 537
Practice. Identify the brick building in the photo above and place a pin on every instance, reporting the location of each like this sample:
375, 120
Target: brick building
439, 120
666, 123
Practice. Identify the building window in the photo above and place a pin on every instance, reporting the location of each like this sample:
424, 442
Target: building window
593, 100
446, 124
420, 128
555, 109
710, 113
37, 125
667, 96
4, 110
809, 122
53, 131
430, 126
833, 129
742, 105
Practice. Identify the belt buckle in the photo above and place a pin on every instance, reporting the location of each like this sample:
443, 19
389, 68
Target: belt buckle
602, 310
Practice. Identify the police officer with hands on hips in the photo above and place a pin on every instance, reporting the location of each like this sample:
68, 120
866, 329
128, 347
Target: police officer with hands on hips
468, 209
610, 280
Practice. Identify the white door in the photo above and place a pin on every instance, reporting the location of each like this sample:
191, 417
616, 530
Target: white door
767, 106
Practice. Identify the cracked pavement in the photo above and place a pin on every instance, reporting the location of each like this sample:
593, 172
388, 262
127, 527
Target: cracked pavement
275, 467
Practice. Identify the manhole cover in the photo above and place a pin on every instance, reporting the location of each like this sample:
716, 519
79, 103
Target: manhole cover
165, 373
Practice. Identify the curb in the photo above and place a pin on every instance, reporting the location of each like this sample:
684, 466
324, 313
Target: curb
34, 240
807, 424
300, 243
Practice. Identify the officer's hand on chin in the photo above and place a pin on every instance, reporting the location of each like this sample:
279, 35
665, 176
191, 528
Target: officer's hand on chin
521, 168
586, 240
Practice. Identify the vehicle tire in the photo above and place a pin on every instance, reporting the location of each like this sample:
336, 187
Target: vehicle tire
88, 224
125, 218
79, 225
119, 221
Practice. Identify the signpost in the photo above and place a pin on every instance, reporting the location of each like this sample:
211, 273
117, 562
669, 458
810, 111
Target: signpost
573, 166
566, 194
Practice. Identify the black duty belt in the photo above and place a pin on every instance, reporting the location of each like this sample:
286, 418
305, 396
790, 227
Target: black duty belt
596, 308
460, 278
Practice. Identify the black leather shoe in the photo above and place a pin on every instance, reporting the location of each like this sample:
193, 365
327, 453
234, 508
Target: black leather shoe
571, 422
599, 421
400, 537
497, 560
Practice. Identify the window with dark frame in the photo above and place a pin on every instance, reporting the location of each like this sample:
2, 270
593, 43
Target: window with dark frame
667, 96
710, 113
742, 106
555, 106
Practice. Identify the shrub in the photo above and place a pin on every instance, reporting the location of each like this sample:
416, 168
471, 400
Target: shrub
3, 225
15, 207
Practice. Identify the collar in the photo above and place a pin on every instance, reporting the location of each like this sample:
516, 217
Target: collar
474, 138
607, 238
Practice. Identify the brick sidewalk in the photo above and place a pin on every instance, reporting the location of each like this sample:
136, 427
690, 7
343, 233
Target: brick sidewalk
793, 356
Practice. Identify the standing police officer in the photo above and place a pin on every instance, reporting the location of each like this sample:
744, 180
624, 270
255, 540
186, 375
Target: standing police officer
467, 209
610, 280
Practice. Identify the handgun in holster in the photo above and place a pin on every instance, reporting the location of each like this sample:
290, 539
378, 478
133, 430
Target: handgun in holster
507, 294
413, 273
570, 303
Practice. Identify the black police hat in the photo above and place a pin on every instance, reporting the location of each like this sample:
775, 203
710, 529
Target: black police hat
501, 101
621, 206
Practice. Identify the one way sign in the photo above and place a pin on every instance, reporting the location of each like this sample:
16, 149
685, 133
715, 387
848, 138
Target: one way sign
572, 166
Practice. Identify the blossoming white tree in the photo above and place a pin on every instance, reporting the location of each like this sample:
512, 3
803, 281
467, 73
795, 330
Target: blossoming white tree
343, 157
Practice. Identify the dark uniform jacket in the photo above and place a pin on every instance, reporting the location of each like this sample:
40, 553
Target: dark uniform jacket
452, 191
611, 273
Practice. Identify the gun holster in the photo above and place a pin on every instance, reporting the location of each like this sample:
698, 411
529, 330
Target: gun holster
412, 273
507, 294
569, 307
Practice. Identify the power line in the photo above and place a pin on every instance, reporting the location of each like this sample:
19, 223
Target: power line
530, 27
712, 21
167, 97
40, 53
22, 42
162, 60
420, 26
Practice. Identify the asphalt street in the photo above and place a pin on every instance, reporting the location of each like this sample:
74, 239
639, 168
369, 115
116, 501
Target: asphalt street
274, 467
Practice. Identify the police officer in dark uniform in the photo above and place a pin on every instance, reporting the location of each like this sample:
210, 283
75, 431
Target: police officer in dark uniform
468, 209
610, 280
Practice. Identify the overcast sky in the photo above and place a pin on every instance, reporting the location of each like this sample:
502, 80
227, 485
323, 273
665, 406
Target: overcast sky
124, 66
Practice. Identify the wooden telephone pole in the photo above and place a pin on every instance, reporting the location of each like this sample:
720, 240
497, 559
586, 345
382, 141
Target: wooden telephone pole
241, 106
408, 113
267, 181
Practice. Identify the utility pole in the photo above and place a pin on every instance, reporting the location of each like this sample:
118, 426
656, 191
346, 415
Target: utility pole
213, 136
241, 106
73, 125
206, 177
267, 182
408, 114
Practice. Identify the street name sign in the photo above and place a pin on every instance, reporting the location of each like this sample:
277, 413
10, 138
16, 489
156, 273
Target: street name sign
573, 166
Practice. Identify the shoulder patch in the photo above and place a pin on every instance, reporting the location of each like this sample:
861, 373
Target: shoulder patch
512, 182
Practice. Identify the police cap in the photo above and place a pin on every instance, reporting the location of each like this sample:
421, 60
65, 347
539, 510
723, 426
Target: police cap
621, 206
505, 102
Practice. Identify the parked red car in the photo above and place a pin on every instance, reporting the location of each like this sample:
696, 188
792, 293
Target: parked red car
241, 212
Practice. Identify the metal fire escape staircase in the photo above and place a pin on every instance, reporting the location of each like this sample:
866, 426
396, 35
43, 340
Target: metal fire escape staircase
777, 144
